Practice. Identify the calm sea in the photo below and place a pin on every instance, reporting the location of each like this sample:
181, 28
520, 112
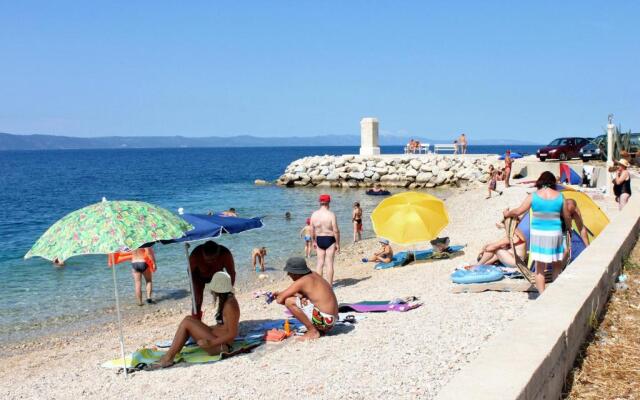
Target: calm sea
39, 187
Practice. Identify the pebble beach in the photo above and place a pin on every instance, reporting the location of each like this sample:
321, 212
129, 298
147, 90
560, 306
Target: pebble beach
407, 355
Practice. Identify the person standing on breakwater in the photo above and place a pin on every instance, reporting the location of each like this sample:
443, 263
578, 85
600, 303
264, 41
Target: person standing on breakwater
462, 141
356, 218
204, 261
548, 209
325, 236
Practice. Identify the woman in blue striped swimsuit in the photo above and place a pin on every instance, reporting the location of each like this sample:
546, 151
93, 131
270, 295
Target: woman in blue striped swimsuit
546, 242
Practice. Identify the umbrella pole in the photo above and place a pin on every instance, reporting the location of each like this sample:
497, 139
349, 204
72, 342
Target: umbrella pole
193, 296
115, 288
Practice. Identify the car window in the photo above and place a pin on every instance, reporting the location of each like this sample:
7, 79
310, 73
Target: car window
558, 142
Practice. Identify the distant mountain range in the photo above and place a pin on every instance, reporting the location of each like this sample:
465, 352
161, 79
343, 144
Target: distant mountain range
53, 142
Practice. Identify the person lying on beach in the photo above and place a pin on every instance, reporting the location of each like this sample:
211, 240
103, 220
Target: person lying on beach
310, 299
257, 256
493, 181
205, 260
214, 339
385, 255
229, 213
305, 233
500, 250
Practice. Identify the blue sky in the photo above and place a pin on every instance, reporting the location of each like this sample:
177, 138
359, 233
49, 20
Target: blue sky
284, 68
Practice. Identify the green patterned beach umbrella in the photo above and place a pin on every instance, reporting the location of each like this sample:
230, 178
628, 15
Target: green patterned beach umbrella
107, 227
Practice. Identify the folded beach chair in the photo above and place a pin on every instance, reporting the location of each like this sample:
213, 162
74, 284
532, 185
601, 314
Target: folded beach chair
522, 266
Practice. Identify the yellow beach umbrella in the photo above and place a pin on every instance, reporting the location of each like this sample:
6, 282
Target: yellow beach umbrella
409, 218
593, 217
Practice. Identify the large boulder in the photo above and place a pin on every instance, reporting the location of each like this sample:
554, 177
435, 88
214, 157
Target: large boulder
424, 177
381, 164
333, 176
441, 177
300, 169
325, 171
426, 167
415, 163
368, 173
371, 163
356, 175
380, 170
389, 178
375, 177
260, 182
411, 173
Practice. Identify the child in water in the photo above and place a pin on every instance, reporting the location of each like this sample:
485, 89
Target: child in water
257, 257
305, 233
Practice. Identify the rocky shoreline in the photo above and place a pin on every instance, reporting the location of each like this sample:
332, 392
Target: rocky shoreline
418, 171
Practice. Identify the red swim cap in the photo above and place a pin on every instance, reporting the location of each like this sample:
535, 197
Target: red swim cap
325, 198
308, 221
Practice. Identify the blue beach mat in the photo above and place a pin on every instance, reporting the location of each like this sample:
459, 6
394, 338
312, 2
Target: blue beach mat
397, 260
477, 274
403, 258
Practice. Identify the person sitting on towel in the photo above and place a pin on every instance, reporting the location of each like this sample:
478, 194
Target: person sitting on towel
310, 299
214, 339
500, 250
385, 255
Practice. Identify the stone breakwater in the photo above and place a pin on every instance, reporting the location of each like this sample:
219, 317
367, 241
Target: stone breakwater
425, 171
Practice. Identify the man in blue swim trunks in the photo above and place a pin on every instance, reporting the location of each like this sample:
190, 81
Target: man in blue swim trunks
325, 236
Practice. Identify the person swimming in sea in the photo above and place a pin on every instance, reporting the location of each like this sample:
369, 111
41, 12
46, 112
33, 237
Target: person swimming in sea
356, 218
305, 233
229, 213
325, 235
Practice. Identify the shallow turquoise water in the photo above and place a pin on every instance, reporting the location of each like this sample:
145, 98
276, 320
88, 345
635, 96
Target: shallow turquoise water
38, 188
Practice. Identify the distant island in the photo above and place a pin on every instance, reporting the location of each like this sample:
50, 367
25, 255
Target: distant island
53, 142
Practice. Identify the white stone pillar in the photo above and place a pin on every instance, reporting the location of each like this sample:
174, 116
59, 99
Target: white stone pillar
369, 137
611, 132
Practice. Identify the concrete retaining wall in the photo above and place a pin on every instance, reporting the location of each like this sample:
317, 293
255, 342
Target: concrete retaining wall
531, 358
